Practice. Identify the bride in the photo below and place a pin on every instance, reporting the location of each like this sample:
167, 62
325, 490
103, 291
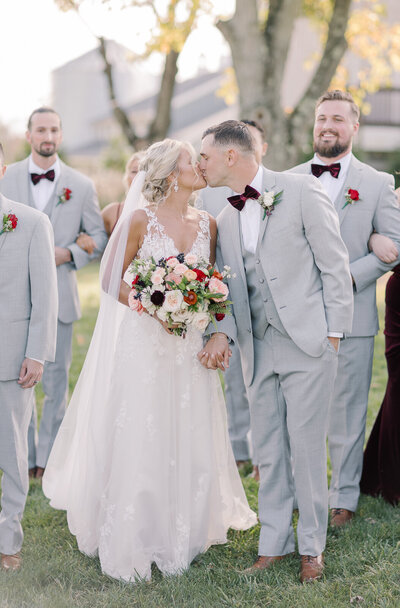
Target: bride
142, 462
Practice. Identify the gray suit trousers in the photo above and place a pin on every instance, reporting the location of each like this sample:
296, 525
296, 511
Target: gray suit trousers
55, 387
15, 412
289, 405
237, 406
348, 415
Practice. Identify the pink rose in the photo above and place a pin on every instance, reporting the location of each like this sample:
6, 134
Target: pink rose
190, 275
217, 286
157, 277
172, 277
190, 258
135, 303
172, 262
180, 268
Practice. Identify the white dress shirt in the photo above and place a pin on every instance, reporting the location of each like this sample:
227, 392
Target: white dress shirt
43, 190
333, 185
250, 216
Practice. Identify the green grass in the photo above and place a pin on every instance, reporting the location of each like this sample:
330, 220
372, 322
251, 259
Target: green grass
362, 561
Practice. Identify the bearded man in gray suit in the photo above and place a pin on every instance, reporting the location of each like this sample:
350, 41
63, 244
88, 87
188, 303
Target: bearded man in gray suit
366, 203
292, 291
68, 198
214, 200
28, 324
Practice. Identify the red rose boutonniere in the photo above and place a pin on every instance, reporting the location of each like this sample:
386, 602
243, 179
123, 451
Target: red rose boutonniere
351, 196
65, 196
10, 222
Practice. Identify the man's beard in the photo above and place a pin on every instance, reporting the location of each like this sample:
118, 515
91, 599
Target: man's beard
46, 153
329, 150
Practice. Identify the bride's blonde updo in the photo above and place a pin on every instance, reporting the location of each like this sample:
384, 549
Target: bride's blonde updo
160, 160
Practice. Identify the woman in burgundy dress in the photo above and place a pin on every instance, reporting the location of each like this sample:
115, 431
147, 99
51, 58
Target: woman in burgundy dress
381, 470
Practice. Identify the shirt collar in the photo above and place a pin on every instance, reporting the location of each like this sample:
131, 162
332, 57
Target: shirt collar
257, 180
34, 168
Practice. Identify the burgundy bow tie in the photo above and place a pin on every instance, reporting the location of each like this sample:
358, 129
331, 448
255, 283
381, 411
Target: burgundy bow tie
36, 177
333, 169
238, 200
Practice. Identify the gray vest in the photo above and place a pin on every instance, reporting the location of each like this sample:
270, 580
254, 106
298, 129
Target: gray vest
262, 308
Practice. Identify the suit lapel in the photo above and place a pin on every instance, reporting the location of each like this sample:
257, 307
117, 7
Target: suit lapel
53, 208
353, 179
268, 183
24, 184
3, 210
235, 234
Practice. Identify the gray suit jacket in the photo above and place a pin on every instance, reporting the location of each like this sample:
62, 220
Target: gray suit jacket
28, 290
304, 260
377, 210
80, 213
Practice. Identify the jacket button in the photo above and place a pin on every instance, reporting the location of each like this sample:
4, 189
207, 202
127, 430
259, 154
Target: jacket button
261, 280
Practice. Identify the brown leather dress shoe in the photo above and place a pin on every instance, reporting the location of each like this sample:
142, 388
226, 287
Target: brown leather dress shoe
32, 472
311, 568
340, 517
262, 563
39, 472
10, 562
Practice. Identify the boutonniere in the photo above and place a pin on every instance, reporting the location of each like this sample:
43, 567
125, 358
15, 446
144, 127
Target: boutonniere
351, 196
10, 222
65, 196
268, 200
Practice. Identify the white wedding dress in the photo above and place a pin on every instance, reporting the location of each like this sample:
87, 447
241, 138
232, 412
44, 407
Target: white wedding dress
146, 473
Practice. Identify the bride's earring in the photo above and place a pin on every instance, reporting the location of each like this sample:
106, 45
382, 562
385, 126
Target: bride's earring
176, 184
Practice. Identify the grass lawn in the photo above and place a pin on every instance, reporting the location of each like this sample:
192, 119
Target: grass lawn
362, 561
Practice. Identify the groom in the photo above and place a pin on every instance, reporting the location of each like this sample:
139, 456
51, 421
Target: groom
292, 303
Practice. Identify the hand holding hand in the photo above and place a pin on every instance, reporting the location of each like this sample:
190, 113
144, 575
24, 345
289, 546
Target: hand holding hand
216, 353
62, 255
30, 373
86, 242
383, 247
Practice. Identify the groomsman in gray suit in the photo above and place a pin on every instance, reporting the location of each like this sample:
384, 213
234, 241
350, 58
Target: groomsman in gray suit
28, 325
68, 198
214, 200
292, 294
365, 203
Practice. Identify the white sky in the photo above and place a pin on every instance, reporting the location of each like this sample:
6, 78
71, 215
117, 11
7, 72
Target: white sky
36, 37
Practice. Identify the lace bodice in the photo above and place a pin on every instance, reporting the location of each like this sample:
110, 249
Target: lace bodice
158, 244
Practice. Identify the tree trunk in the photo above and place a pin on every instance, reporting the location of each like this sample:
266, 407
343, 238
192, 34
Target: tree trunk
119, 113
160, 125
259, 57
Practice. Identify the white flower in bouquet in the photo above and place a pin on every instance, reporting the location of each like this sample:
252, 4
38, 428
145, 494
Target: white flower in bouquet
191, 259
173, 300
200, 320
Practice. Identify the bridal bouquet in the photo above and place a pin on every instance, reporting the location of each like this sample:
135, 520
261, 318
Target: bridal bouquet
181, 290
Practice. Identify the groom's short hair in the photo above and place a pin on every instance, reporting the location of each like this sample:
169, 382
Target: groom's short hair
232, 133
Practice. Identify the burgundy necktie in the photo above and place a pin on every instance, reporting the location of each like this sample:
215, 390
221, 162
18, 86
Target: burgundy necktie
318, 170
36, 177
238, 200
